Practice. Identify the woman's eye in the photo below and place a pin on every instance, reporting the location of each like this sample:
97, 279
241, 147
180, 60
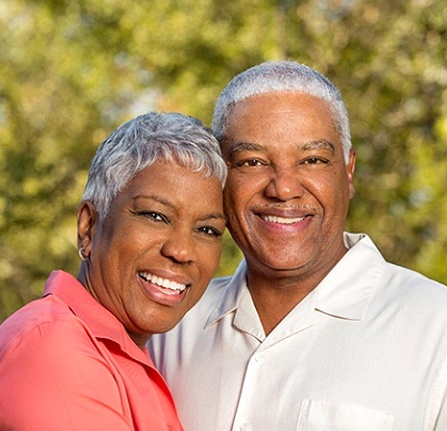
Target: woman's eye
152, 215
211, 231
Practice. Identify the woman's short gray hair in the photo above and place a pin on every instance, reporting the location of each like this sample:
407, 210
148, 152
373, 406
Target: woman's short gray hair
281, 76
139, 143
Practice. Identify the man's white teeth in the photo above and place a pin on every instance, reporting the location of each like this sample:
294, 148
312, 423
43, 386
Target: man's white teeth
163, 282
282, 220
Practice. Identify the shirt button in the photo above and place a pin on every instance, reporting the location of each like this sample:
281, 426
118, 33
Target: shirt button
246, 427
259, 358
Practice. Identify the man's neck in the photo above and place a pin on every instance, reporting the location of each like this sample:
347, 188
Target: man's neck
275, 298
275, 293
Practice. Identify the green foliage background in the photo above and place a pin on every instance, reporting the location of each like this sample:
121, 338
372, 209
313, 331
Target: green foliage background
71, 71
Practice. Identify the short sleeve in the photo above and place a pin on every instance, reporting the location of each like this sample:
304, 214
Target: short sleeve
54, 377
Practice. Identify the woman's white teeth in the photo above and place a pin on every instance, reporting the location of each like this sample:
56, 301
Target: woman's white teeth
163, 282
282, 220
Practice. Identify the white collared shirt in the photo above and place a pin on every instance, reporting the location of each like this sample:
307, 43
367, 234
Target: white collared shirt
365, 351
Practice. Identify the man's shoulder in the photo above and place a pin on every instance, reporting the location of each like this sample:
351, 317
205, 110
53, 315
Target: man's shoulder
412, 299
415, 285
391, 277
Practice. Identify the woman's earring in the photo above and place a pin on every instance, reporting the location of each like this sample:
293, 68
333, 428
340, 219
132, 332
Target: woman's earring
80, 252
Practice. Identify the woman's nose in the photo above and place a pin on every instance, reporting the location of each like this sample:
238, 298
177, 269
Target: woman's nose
179, 247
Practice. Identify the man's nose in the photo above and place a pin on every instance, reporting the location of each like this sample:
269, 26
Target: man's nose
285, 184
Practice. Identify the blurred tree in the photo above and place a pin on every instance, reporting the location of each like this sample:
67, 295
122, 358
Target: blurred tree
72, 71
63, 89
390, 66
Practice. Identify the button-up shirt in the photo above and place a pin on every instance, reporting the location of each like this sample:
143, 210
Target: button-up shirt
366, 350
66, 363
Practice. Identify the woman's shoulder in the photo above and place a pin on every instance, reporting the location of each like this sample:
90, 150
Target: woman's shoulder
42, 323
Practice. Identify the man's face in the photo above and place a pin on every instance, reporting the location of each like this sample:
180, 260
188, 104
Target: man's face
288, 189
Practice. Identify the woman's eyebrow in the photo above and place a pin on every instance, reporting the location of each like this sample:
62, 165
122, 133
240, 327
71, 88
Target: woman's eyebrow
153, 198
214, 216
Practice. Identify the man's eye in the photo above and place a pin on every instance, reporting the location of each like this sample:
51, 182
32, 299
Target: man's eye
249, 163
314, 161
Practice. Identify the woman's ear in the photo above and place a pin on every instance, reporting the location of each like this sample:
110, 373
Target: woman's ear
87, 219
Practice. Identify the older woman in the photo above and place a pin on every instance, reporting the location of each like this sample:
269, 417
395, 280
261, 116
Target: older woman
149, 236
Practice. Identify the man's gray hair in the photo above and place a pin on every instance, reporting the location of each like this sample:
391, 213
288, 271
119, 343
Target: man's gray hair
281, 76
139, 143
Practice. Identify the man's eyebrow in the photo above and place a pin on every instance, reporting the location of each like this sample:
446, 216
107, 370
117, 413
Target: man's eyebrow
244, 146
321, 144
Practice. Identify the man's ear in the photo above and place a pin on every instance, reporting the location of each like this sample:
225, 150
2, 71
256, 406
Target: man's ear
350, 169
87, 219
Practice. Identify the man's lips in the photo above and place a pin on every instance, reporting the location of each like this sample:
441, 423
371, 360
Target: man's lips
281, 220
284, 215
163, 282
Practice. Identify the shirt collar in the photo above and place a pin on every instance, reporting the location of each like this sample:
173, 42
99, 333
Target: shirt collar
229, 302
99, 320
343, 293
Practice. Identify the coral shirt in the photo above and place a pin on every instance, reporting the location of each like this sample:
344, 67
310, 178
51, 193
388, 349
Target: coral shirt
66, 363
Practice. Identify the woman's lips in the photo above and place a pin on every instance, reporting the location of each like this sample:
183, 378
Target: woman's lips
162, 282
162, 290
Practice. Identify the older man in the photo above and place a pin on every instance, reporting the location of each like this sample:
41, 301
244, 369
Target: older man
315, 330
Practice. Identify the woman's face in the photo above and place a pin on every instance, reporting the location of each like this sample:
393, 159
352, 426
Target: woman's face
152, 257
